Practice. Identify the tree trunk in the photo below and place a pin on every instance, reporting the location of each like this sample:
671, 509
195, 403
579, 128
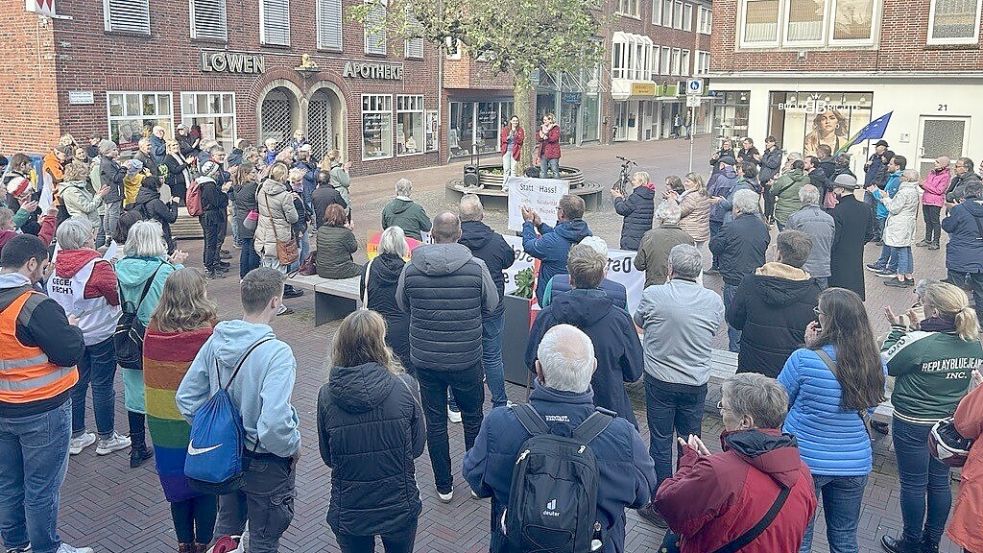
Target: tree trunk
520, 91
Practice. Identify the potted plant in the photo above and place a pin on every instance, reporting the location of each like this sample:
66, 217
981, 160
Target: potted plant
515, 335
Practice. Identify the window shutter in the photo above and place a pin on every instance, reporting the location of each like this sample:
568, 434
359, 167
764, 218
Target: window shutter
131, 16
414, 46
375, 42
329, 24
275, 21
208, 19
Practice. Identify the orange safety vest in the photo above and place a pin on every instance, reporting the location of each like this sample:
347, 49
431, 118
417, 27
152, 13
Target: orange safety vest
26, 375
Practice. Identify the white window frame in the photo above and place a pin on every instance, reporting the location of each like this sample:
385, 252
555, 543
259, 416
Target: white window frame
677, 15
945, 41
702, 66
653, 72
420, 140
742, 27
666, 61
392, 125
657, 12
825, 25
875, 22
688, 17
676, 61
111, 118
685, 61
232, 114
448, 44
705, 23
319, 13
225, 22
108, 20
382, 48
262, 26
666, 21
629, 13
636, 51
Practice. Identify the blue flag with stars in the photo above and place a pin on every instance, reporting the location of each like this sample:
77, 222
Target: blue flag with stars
873, 131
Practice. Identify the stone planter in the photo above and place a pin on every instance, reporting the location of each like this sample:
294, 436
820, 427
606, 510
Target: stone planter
493, 197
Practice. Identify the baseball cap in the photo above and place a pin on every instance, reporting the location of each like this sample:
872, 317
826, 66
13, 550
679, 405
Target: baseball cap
882, 143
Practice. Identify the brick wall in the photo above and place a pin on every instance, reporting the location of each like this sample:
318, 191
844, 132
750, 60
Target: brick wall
901, 46
28, 104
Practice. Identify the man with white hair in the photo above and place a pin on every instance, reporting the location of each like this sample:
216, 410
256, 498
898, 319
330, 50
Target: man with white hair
563, 399
653, 253
406, 214
560, 284
111, 175
819, 225
740, 248
680, 319
145, 156
158, 147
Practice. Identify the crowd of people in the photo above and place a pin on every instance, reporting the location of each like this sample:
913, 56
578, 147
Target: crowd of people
95, 282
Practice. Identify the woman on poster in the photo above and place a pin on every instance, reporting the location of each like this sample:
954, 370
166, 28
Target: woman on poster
829, 127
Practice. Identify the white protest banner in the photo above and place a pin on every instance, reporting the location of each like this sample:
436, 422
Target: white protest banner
621, 268
540, 195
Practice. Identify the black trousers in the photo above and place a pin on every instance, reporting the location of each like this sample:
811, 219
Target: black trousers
194, 519
213, 226
933, 228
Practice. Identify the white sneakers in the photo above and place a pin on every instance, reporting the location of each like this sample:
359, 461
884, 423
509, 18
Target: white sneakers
453, 416
112, 443
445, 497
65, 548
76, 445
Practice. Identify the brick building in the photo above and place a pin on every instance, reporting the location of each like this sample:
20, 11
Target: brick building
817, 71
249, 70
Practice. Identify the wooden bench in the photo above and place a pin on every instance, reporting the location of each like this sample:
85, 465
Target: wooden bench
334, 299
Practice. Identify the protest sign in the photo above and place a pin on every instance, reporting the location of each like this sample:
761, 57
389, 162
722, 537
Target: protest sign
540, 195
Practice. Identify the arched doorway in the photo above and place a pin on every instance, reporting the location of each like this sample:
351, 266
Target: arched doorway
279, 115
320, 122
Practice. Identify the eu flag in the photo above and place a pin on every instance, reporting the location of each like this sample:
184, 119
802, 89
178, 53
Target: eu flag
873, 131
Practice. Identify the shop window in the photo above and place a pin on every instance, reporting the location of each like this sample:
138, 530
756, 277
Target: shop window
657, 12
208, 20
127, 16
375, 40
214, 113
410, 137
805, 21
132, 115
760, 22
688, 17
274, 22
377, 126
803, 121
730, 114
329, 24
475, 126
705, 24
628, 7
853, 21
954, 22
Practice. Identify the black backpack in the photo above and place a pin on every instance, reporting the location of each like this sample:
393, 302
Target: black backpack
553, 498
128, 339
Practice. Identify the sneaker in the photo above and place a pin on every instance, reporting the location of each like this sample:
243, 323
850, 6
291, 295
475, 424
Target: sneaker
474, 495
76, 445
293, 293
652, 516
445, 497
909, 282
224, 264
874, 267
112, 443
25, 549
284, 310
887, 273
933, 246
922, 243
65, 548
453, 416
895, 283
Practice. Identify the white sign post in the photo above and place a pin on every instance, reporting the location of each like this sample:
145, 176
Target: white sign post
540, 195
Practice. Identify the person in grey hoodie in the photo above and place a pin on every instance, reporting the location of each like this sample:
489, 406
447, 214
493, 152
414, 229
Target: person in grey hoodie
447, 291
820, 227
262, 391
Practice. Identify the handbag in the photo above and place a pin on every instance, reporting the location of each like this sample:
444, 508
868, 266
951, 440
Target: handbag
251, 220
831, 365
287, 251
309, 266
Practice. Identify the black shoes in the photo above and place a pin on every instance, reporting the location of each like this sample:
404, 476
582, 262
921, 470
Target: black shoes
216, 274
896, 545
291, 292
139, 454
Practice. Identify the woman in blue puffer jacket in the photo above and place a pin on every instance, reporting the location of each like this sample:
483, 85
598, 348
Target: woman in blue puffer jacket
828, 400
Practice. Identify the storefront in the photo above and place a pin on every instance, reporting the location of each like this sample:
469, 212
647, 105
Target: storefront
801, 121
574, 99
475, 126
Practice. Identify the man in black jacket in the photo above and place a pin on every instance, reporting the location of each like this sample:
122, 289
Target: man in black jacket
447, 291
963, 169
39, 360
150, 206
773, 306
741, 247
324, 195
111, 175
214, 202
489, 246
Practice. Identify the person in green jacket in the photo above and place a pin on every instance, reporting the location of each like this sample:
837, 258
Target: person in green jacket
405, 213
933, 366
786, 192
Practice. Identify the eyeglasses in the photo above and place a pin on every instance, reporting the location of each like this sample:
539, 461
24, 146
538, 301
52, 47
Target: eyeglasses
720, 406
817, 311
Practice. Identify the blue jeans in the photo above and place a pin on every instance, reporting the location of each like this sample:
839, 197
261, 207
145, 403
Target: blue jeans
902, 256
248, 258
733, 335
491, 358
925, 492
32, 469
715, 227
549, 165
668, 411
305, 248
842, 497
236, 239
887, 260
98, 368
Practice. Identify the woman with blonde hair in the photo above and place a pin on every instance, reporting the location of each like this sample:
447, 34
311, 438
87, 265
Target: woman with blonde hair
179, 327
830, 128
370, 405
933, 367
377, 288
694, 208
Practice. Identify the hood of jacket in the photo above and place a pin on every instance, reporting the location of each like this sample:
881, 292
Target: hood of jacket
581, 308
231, 339
13, 280
475, 234
360, 389
70, 262
782, 286
974, 206
147, 192
769, 451
387, 268
573, 231
401, 205
133, 271
647, 190
272, 187
440, 259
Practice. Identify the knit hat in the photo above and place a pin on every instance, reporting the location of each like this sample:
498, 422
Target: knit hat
846, 182
727, 160
135, 167
18, 186
209, 169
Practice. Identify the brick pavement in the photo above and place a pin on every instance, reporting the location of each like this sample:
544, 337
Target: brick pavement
112, 508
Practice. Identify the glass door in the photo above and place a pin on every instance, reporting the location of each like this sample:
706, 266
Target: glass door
941, 136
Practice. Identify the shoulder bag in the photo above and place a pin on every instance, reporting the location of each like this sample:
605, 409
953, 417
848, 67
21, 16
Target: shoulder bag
287, 251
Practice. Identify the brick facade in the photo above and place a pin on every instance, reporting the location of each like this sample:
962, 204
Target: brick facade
28, 105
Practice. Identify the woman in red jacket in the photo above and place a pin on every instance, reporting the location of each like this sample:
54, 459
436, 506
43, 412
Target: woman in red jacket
964, 529
548, 138
512, 137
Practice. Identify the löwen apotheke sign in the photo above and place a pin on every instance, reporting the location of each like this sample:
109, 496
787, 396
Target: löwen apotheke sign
377, 71
232, 62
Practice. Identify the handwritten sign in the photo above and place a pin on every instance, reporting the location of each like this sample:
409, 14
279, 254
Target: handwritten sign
541, 195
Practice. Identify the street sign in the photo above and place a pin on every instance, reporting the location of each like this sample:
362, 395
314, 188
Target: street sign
694, 87
692, 101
